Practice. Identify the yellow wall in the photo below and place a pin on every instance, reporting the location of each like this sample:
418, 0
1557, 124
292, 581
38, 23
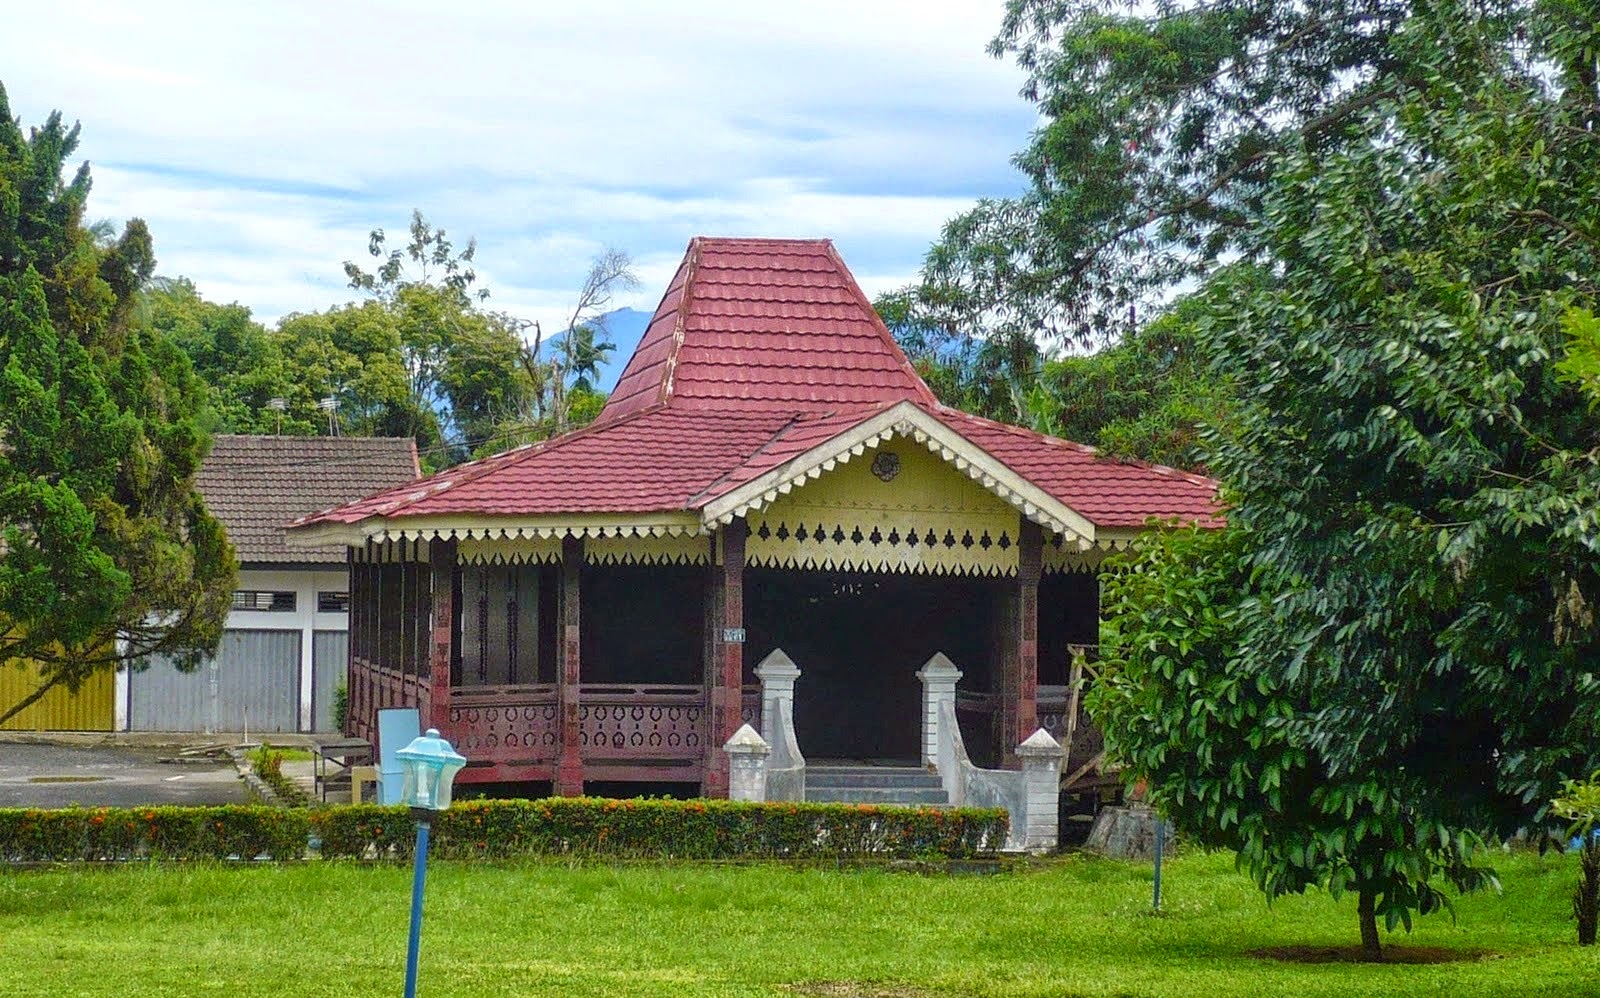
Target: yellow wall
925, 494
90, 709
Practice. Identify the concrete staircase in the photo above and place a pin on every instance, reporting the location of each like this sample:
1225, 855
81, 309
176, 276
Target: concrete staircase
874, 785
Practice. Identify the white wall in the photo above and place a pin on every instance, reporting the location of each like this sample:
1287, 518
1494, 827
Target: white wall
305, 583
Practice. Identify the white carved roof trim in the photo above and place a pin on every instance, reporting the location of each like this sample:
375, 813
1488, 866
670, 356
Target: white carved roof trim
905, 420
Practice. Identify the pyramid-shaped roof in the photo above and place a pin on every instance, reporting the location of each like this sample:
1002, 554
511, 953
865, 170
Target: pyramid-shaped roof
763, 365
764, 325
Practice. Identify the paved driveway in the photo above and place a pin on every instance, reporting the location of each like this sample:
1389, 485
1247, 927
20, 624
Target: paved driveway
114, 776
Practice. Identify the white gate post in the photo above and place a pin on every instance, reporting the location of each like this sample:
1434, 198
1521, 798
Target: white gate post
777, 673
939, 678
1041, 783
747, 765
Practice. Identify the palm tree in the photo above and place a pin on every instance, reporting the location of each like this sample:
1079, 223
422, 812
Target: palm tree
585, 352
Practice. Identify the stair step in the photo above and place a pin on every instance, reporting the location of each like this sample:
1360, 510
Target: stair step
875, 795
870, 776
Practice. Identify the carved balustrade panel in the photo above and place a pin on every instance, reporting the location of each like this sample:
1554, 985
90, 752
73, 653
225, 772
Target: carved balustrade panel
750, 707
498, 723
641, 722
1086, 740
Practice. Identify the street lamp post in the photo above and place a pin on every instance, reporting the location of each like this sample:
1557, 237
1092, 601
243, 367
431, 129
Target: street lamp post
428, 768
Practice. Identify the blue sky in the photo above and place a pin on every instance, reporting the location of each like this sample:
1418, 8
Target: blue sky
263, 141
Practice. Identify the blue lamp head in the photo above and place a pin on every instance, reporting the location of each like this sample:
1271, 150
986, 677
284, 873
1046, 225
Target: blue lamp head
428, 769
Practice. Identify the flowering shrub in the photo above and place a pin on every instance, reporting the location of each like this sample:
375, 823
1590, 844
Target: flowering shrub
565, 826
182, 833
664, 829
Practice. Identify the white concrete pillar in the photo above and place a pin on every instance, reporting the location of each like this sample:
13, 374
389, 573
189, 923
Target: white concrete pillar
777, 673
306, 612
120, 688
939, 678
1041, 784
747, 765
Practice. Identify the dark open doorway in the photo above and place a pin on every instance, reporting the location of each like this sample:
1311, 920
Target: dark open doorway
859, 639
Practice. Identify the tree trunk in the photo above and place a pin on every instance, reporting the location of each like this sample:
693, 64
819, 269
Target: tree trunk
1586, 899
1366, 908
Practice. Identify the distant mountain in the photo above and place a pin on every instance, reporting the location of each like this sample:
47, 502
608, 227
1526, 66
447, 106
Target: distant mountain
624, 327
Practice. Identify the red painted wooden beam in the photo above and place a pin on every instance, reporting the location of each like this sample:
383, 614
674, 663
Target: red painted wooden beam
727, 677
569, 765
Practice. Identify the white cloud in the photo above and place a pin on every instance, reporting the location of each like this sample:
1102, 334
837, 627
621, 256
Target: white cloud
262, 141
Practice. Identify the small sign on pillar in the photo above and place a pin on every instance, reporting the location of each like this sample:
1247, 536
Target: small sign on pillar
733, 635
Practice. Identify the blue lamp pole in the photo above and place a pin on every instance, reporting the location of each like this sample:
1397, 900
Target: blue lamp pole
428, 769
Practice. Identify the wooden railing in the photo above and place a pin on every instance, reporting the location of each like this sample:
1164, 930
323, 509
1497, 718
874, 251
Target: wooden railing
505, 723
655, 721
374, 687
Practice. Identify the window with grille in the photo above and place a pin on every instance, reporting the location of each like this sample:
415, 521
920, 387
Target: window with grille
263, 600
333, 602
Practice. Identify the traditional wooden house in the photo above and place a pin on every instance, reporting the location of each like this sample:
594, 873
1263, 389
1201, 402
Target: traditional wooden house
769, 473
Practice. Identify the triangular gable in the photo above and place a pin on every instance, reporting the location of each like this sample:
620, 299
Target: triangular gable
907, 420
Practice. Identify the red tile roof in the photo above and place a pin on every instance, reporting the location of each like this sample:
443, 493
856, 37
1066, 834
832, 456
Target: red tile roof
771, 325
760, 352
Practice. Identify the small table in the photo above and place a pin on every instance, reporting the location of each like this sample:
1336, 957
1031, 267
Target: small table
343, 753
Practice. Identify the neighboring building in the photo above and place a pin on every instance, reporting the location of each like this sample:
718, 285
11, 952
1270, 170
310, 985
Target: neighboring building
770, 473
285, 648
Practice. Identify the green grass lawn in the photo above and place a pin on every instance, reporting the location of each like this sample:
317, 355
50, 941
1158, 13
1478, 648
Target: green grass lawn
1074, 927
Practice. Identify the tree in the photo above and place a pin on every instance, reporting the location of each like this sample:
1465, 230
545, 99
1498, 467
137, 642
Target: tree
584, 351
462, 361
1147, 396
1220, 743
609, 273
1162, 127
1414, 473
238, 360
106, 552
1144, 397
1579, 804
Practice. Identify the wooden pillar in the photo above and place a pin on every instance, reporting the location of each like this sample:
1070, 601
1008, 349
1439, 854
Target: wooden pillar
727, 660
1020, 672
441, 647
569, 763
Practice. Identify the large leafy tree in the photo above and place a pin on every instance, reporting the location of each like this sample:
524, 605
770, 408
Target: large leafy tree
1415, 478
1223, 745
107, 554
1161, 129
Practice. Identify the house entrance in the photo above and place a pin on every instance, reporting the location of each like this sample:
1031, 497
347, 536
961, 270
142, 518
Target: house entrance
859, 639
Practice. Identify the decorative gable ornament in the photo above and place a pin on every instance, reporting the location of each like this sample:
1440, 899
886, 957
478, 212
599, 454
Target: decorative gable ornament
886, 465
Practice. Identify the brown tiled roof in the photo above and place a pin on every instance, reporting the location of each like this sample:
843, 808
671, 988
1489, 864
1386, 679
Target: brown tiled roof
256, 485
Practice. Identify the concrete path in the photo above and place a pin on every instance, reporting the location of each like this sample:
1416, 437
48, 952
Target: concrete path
38, 775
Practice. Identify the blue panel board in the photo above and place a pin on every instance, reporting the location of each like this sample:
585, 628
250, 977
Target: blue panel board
397, 727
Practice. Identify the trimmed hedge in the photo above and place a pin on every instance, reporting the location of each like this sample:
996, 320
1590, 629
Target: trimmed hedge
180, 833
557, 826
664, 829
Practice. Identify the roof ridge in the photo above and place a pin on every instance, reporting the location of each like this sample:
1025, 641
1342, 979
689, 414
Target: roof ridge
669, 367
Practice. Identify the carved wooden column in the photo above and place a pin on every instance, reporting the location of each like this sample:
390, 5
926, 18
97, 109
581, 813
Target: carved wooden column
727, 660
1020, 689
442, 578
569, 764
